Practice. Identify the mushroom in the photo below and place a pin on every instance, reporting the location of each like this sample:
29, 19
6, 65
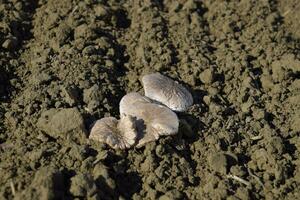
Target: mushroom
128, 102
119, 134
152, 120
167, 91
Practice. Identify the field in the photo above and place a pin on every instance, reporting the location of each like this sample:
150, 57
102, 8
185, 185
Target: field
66, 63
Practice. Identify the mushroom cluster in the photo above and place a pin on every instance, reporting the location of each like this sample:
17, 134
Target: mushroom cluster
144, 119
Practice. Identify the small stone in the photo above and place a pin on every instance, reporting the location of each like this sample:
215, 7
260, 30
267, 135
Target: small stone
100, 11
190, 5
109, 63
10, 43
207, 76
266, 82
213, 91
245, 107
207, 99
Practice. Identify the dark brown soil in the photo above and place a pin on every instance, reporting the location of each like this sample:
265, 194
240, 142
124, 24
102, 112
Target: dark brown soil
66, 63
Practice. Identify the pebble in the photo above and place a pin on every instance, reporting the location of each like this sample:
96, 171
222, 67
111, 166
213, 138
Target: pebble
10, 43
207, 76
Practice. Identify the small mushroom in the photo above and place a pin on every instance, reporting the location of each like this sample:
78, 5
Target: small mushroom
119, 134
167, 91
152, 120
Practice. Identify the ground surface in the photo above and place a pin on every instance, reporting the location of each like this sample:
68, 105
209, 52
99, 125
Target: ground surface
65, 63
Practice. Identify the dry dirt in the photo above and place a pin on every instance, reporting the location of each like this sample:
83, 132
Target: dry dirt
66, 63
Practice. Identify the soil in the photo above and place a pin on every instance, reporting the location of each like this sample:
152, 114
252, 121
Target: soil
66, 63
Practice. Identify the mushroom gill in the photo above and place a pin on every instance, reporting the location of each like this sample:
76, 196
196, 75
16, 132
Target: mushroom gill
167, 91
119, 134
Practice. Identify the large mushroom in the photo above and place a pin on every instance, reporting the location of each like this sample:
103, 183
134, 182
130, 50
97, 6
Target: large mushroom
167, 91
152, 120
119, 134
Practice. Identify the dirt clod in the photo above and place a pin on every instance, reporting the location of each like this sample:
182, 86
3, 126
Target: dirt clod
82, 185
65, 123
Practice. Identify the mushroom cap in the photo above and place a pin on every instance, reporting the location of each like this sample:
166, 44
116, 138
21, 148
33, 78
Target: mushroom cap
128, 102
119, 134
167, 91
152, 120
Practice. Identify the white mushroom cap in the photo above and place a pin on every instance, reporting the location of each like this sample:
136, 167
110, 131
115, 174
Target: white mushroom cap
120, 134
153, 120
167, 91
129, 101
